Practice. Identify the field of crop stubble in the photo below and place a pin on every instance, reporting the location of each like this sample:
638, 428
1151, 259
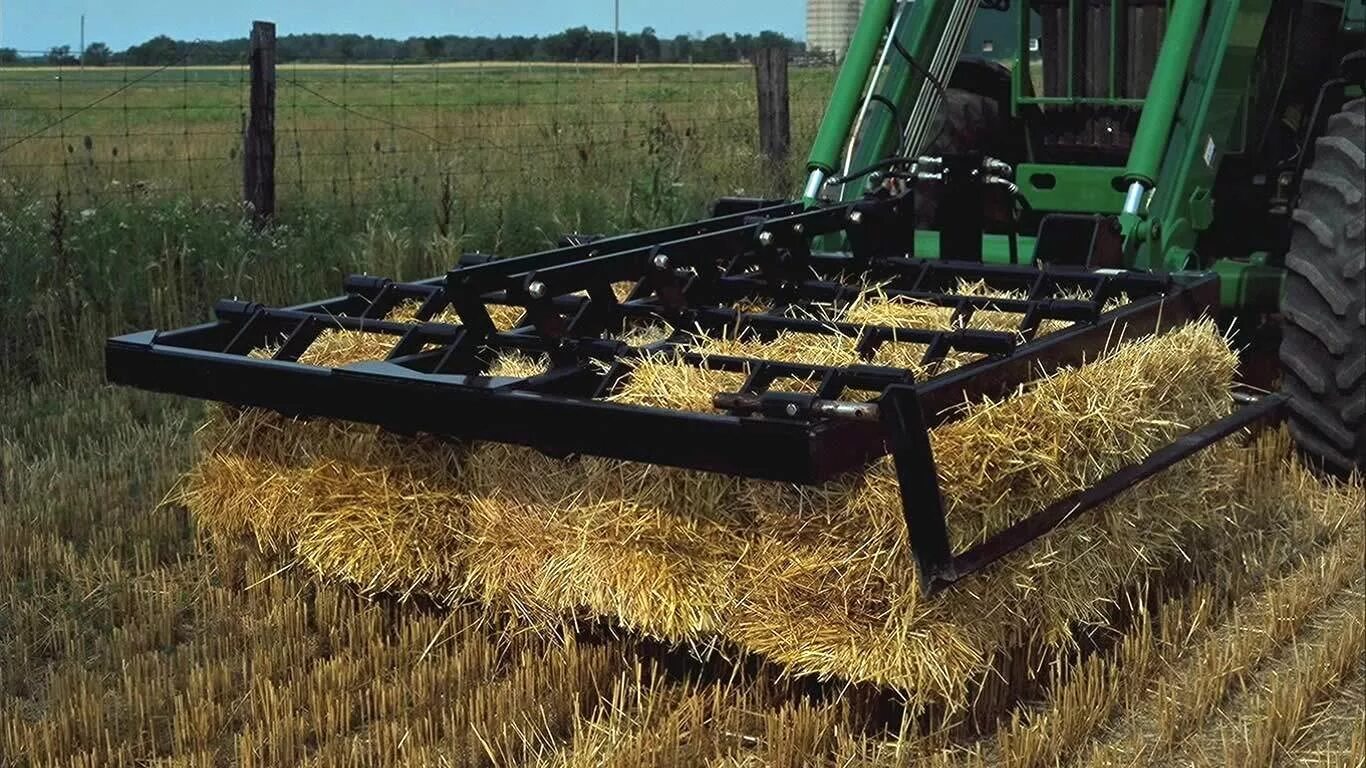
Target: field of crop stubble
126, 638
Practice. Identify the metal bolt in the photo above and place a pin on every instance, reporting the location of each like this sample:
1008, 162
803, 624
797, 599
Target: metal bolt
798, 228
765, 239
661, 261
536, 290
856, 217
792, 410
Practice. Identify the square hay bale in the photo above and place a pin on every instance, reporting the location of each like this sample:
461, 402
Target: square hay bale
819, 578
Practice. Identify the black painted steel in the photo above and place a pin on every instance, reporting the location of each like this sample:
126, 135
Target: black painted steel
751, 274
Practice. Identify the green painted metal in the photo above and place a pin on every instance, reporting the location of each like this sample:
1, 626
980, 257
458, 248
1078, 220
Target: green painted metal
1164, 93
1354, 17
1208, 124
919, 33
1075, 188
850, 85
1248, 285
1099, 101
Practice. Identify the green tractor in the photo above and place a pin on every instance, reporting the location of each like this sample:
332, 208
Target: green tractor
1217, 136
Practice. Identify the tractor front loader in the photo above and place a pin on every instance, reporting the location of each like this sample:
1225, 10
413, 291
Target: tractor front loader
1147, 164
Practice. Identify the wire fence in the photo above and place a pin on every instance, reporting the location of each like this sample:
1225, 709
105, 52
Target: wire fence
361, 135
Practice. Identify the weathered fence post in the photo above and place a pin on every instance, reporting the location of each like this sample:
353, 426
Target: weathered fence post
775, 130
258, 141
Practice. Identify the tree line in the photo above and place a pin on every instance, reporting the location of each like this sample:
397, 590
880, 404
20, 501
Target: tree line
577, 44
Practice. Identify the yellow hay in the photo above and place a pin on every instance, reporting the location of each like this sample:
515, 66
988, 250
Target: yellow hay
875, 308
518, 365
505, 317
657, 381
818, 578
787, 346
335, 348
833, 349
640, 334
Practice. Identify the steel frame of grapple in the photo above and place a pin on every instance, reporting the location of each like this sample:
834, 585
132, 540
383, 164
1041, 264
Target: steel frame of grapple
691, 276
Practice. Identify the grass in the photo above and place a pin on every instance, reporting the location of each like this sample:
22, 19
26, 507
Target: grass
126, 214
349, 136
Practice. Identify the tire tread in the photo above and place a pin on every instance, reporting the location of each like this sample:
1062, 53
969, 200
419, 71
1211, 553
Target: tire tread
1323, 349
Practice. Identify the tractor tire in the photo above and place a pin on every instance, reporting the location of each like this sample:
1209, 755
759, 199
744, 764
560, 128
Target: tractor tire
1323, 347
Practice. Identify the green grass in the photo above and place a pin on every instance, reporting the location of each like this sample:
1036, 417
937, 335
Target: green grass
124, 216
351, 135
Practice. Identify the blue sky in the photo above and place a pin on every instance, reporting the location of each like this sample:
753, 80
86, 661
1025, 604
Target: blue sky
39, 24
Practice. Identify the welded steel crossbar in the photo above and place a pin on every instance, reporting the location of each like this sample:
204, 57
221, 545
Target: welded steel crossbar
751, 274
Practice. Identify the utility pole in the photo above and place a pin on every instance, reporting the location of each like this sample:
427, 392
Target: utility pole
82, 53
616, 31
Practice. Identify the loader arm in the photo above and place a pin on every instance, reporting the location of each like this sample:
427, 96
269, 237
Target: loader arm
888, 90
1191, 113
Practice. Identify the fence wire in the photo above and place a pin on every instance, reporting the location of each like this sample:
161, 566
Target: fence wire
363, 135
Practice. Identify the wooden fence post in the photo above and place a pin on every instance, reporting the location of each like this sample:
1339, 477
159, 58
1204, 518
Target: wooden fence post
258, 141
775, 130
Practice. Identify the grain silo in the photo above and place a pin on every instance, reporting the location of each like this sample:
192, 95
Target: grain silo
830, 24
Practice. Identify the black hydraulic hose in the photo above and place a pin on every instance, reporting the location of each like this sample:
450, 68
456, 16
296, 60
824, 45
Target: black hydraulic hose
929, 78
891, 107
896, 118
887, 162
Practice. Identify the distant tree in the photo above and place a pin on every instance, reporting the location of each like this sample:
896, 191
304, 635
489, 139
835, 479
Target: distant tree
716, 48
649, 45
8, 56
577, 44
60, 55
569, 45
414, 48
770, 39
97, 55
682, 49
158, 51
